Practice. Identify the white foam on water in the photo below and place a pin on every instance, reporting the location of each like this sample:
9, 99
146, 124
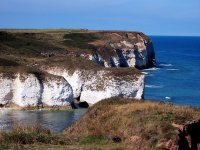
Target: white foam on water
154, 86
152, 69
167, 97
165, 65
150, 75
172, 69
146, 73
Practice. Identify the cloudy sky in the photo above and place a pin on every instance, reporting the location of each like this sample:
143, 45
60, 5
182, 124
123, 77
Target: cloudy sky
153, 17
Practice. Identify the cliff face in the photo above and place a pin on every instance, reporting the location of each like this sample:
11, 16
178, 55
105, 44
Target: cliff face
129, 51
29, 90
59, 88
93, 86
86, 65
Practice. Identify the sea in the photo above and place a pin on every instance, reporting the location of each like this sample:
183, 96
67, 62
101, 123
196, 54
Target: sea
176, 77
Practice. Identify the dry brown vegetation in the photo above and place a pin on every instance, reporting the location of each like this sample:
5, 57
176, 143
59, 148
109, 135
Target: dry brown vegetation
22, 137
27, 51
112, 124
32, 48
134, 124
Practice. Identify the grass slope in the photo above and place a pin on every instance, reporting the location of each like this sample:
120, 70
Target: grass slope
21, 49
110, 124
135, 124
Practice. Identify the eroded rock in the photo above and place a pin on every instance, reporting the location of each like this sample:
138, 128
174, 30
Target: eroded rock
93, 86
126, 50
27, 90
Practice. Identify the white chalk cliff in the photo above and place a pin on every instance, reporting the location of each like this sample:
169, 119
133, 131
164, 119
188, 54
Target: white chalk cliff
133, 51
63, 79
29, 90
93, 86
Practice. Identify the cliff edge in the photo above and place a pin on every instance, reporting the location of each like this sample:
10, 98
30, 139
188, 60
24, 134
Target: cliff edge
134, 125
82, 64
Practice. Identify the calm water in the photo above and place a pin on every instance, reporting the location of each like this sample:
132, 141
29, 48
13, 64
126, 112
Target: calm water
56, 121
176, 78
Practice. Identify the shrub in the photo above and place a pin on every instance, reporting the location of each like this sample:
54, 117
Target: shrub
26, 135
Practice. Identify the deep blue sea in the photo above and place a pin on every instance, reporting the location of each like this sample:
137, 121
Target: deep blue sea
176, 79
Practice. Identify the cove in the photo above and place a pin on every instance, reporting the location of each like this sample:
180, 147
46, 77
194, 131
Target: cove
56, 121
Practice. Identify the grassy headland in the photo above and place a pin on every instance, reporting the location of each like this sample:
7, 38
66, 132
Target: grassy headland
37, 47
111, 124
27, 50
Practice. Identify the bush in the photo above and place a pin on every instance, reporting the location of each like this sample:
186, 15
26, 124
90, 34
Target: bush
24, 135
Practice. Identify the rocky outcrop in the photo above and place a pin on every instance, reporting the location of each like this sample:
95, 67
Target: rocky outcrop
187, 137
69, 57
32, 90
92, 86
131, 50
60, 86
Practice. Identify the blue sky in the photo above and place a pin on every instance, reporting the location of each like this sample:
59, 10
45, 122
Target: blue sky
153, 17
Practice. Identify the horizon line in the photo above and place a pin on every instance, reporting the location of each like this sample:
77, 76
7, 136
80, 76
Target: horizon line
4, 28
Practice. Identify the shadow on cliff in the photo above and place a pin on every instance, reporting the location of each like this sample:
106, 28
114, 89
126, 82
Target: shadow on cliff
122, 59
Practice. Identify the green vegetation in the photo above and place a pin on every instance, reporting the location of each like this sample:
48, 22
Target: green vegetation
80, 40
139, 124
28, 50
43, 107
110, 124
93, 139
21, 136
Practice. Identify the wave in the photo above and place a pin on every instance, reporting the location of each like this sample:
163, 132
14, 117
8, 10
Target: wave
167, 97
172, 69
150, 75
165, 65
146, 73
154, 86
152, 69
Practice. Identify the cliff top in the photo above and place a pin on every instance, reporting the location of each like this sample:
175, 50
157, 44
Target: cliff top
137, 125
33, 48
